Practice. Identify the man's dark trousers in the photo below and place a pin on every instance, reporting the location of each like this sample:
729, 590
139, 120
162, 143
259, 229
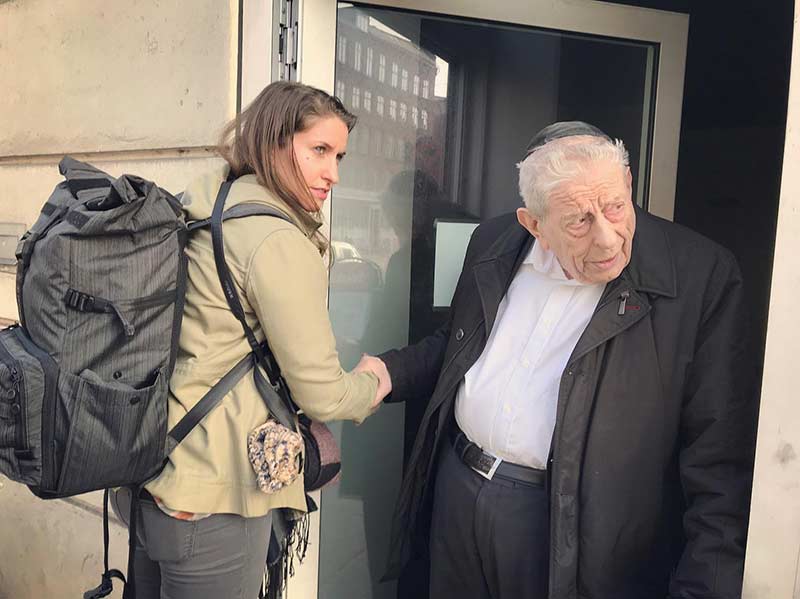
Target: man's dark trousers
489, 538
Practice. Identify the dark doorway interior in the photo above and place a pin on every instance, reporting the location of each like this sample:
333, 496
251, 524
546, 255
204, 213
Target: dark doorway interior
732, 136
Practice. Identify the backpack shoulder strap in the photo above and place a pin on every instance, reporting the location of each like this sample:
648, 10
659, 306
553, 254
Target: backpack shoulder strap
242, 210
208, 402
273, 391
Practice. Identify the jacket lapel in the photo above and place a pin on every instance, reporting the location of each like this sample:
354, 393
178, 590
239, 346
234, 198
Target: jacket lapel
496, 268
620, 307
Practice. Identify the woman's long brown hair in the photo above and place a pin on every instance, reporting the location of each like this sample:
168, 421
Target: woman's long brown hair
259, 140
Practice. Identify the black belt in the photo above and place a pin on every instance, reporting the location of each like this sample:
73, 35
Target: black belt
477, 459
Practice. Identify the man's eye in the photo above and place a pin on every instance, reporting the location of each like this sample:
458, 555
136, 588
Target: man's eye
579, 223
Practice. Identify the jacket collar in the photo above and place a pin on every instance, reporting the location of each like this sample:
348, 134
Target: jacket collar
247, 189
200, 195
496, 267
651, 269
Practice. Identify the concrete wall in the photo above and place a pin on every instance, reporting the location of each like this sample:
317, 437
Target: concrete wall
772, 569
141, 87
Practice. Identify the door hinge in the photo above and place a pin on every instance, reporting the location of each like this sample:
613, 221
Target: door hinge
287, 39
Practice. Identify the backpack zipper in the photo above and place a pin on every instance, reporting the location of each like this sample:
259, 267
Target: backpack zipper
18, 407
50, 371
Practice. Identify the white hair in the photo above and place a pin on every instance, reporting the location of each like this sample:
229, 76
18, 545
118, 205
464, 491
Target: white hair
561, 160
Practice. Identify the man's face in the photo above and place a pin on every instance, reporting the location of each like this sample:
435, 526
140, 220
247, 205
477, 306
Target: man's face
589, 224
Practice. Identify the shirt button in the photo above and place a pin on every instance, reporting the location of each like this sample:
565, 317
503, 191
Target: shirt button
459, 334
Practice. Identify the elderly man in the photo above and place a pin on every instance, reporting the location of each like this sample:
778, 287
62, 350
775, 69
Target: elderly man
588, 433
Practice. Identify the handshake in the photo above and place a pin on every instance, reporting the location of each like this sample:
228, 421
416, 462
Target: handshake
378, 368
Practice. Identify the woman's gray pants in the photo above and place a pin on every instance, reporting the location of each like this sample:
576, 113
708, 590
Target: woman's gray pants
218, 557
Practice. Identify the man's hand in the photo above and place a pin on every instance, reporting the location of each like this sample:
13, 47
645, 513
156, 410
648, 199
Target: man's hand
378, 368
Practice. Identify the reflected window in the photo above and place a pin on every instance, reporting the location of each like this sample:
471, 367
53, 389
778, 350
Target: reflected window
356, 99
381, 68
425, 88
341, 49
362, 22
388, 146
415, 116
379, 106
394, 74
340, 90
357, 57
368, 100
404, 80
424, 117
403, 112
369, 62
393, 109
416, 85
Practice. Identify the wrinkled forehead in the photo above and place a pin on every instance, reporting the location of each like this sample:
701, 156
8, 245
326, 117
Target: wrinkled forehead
603, 180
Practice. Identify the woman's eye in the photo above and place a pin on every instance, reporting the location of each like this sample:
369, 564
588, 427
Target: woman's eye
320, 150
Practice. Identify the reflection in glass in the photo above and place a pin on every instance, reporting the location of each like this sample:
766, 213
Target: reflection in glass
438, 139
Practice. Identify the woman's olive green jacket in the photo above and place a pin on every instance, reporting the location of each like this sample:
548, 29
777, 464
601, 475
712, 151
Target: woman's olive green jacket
282, 282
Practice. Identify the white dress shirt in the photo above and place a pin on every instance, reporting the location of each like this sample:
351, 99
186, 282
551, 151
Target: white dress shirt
507, 401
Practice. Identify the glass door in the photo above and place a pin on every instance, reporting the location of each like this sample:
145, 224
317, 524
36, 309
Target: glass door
447, 100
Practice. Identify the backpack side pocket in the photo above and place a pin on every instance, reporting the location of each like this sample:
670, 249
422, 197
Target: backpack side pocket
22, 398
114, 434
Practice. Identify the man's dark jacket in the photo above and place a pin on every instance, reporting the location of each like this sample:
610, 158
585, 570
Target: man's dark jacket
651, 455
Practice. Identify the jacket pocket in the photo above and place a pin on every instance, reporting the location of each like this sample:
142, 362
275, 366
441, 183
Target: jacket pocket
113, 434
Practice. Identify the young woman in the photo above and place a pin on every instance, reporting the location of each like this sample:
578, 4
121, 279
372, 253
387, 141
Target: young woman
204, 524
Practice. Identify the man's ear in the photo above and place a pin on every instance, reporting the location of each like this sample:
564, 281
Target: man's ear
628, 177
532, 224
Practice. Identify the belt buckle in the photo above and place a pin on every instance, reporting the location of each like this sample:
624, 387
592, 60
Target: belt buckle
489, 474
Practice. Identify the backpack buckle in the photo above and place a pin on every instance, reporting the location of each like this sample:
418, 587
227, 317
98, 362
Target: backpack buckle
83, 302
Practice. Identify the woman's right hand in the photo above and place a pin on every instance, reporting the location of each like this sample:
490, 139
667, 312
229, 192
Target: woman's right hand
378, 368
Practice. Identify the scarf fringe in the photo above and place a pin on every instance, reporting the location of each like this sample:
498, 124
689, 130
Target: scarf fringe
293, 546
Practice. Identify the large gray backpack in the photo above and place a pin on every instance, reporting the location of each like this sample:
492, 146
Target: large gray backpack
100, 284
84, 377
101, 278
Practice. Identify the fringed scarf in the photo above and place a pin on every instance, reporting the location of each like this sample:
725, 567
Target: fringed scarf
289, 541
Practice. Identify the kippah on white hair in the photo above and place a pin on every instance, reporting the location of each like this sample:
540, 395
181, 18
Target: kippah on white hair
561, 160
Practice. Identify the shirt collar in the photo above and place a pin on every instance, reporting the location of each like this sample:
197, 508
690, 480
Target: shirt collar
546, 264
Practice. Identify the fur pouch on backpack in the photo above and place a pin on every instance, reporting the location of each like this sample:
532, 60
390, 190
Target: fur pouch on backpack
276, 454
